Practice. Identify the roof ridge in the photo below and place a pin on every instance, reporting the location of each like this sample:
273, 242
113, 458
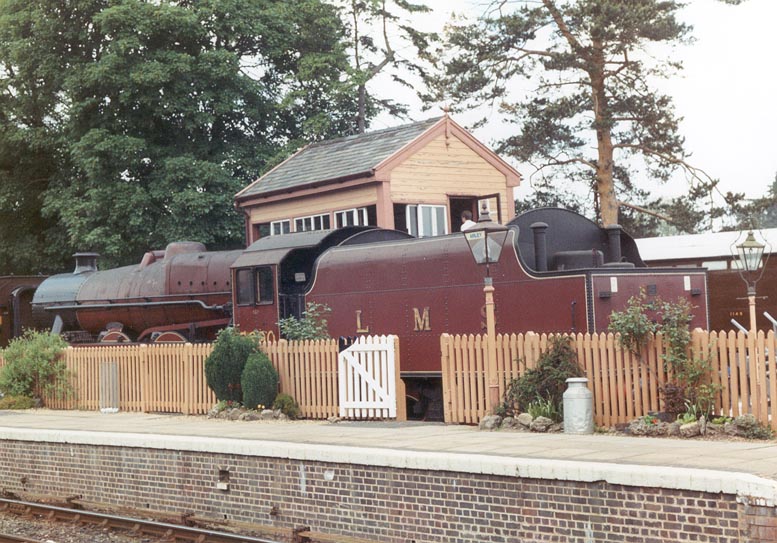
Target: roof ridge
382, 131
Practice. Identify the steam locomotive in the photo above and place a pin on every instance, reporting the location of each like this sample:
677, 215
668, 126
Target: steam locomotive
559, 272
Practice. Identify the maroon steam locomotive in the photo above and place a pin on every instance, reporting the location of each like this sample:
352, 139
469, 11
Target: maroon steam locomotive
558, 272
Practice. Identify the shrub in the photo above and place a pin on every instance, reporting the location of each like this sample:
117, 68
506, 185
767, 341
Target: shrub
224, 366
260, 381
644, 317
546, 381
687, 417
33, 366
312, 325
674, 398
287, 405
17, 402
749, 427
544, 408
760, 432
634, 323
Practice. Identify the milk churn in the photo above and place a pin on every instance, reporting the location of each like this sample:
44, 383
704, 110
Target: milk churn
578, 407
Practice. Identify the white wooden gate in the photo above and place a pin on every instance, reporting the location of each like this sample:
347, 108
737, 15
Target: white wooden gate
367, 378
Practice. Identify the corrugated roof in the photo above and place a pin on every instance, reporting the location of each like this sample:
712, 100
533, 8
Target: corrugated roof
342, 157
710, 245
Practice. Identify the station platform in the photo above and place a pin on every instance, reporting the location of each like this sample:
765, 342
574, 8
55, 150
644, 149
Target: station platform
738, 467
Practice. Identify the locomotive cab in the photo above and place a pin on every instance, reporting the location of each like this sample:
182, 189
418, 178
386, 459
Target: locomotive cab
273, 274
15, 313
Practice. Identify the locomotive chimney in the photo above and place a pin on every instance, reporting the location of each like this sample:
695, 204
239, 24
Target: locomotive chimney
614, 242
540, 247
85, 262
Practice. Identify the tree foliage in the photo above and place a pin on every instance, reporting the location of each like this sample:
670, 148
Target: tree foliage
383, 38
757, 213
129, 123
591, 105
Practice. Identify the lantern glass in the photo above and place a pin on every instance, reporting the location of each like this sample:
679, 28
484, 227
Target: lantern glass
750, 253
486, 247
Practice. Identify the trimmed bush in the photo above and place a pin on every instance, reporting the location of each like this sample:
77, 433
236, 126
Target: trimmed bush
33, 366
224, 366
260, 382
287, 405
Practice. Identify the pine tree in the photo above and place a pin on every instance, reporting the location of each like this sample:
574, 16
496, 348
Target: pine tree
590, 104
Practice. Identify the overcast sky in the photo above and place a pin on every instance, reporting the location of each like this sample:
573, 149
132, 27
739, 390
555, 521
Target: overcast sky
727, 92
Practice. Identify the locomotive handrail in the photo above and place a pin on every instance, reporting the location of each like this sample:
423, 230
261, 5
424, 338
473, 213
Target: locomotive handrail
771, 319
202, 304
739, 326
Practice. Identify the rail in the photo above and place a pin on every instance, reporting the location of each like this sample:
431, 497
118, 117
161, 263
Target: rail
173, 532
166, 530
7, 538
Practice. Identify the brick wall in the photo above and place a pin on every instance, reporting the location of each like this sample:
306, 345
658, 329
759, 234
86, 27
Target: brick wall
379, 503
760, 523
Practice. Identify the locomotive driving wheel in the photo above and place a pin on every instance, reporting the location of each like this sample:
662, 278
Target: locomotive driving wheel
115, 336
169, 337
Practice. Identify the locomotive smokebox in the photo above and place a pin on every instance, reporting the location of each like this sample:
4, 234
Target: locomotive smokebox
85, 262
62, 290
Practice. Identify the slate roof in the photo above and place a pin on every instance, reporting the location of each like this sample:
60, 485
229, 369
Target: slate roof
334, 159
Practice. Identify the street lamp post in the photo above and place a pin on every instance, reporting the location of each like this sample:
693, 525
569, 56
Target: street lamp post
485, 241
750, 261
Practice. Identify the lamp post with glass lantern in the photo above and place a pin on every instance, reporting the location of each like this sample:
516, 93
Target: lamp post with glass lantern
485, 241
750, 254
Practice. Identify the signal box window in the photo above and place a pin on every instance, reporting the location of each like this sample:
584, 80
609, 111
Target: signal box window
280, 227
426, 220
313, 222
254, 286
351, 217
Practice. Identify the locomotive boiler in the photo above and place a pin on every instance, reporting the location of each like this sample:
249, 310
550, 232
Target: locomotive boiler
180, 293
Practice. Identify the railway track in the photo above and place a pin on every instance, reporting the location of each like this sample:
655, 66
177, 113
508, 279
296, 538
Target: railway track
5, 538
144, 528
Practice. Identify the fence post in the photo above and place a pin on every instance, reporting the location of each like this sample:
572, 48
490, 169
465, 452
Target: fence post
401, 402
446, 378
188, 381
143, 377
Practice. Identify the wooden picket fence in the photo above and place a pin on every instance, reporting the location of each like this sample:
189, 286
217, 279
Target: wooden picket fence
171, 378
625, 386
308, 372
